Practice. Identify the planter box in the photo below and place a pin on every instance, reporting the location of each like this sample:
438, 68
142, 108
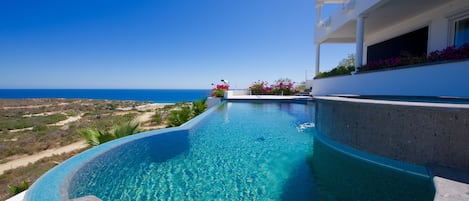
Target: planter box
445, 79
212, 101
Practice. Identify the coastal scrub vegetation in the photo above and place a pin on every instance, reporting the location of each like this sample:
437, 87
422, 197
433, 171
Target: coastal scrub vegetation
57, 122
8, 122
178, 115
283, 86
13, 180
157, 118
41, 132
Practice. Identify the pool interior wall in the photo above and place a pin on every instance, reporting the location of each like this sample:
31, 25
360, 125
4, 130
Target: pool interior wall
415, 132
335, 174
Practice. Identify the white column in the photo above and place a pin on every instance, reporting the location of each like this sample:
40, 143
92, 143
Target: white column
359, 41
318, 54
318, 11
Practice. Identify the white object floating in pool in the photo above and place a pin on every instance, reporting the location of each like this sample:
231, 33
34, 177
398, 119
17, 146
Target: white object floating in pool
304, 126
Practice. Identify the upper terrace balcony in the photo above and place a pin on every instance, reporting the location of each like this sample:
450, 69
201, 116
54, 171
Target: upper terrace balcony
341, 26
369, 22
390, 29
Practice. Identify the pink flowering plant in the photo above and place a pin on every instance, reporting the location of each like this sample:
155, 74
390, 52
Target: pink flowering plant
281, 87
284, 87
260, 88
219, 90
448, 54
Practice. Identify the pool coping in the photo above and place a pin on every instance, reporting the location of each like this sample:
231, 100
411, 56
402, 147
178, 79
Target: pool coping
392, 102
55, 182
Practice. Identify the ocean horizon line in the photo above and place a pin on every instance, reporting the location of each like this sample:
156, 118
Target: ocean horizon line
155, 95
100, 89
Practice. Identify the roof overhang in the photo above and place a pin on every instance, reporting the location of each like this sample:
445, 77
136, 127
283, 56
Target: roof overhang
379, 16
321, 2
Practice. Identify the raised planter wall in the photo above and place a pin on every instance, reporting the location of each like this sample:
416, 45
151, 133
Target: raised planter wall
422, 134
445, 79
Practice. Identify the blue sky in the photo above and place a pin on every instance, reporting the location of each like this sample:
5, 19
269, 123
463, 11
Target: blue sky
157, 43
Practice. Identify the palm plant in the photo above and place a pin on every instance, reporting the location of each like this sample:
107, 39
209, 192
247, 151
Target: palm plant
157, 117
178, 117
126, 129
18, 189
95, 137
199, 106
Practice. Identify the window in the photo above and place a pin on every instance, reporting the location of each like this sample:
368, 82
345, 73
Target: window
461, 32
410, 44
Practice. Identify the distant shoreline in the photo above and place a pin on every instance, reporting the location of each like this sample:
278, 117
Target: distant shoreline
142, 95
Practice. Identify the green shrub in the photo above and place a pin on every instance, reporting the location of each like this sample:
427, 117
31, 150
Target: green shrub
15, 189
178, 117
39, 128
111, 106
157, 118
198, 107
10, 123
186, 113
220, 93
168, 107
126, 129
95, 137
340, 70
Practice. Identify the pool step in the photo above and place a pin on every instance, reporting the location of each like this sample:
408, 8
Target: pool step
450, 184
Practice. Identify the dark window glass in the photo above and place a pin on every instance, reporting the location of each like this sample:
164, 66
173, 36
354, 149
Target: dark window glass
461, 32
409, 44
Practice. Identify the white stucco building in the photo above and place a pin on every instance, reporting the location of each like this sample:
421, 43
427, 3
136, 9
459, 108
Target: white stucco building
388, 28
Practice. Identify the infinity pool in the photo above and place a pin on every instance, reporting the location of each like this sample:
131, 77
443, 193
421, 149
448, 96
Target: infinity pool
243, 151
239, 151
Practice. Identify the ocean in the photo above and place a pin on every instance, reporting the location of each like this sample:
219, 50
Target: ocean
153, 95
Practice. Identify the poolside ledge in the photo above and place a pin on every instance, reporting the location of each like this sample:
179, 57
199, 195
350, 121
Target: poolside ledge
242, 95
450, 184
18, 197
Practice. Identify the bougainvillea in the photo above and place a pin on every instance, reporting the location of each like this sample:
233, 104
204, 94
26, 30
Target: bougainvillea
450, 53
260, 88
447, 54
281, 87
219, 90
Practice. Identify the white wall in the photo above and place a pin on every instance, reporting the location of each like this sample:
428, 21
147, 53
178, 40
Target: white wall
449, 79
309, 84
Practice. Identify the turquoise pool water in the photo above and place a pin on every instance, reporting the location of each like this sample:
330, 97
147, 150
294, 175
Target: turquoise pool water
242, 151
237, 151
